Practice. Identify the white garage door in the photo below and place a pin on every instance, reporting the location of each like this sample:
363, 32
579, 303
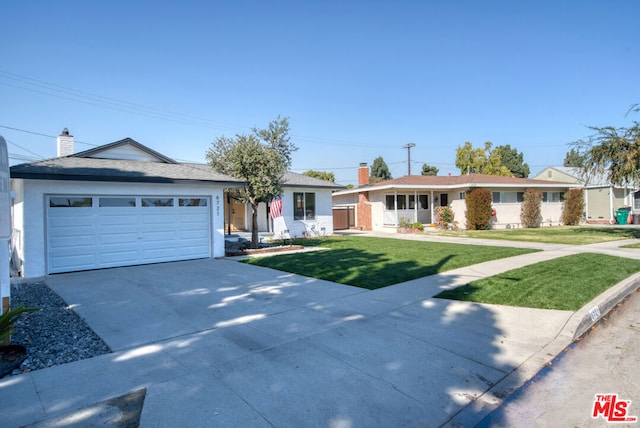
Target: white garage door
91, 232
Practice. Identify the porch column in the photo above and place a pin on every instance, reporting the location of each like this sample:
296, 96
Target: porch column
395, 205
610, 204
433, 219
415, 206
586, 205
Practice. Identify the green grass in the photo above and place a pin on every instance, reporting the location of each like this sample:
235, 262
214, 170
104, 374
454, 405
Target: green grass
573, 235
378, 262
631, 246
566, 283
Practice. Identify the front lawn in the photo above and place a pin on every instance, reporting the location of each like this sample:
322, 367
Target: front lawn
573, 235
566, 283
378, 262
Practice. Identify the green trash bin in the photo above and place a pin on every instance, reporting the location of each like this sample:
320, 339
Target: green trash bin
621, 216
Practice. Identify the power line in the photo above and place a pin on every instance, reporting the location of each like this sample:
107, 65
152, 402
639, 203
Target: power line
26, 150
43, 135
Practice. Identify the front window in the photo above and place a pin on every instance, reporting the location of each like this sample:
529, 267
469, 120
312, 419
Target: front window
508, 197
552, 197
304, 206
636, 201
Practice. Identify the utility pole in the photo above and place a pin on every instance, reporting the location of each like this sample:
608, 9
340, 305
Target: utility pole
408, 147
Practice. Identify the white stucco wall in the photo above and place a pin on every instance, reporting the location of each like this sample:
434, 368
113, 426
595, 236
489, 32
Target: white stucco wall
508, 215
297, 228
30, 211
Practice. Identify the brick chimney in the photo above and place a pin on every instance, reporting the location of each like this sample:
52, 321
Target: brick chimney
65, 143
363, 174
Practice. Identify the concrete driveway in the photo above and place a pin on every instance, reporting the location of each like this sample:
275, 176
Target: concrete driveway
221, 343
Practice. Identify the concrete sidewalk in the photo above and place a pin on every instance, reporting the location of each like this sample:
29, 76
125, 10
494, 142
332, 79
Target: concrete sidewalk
219, 343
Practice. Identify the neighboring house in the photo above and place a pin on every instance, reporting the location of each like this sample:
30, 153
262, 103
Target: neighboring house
601, 197
381, 206
125, 204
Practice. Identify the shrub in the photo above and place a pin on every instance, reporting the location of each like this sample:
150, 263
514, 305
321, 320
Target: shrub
573, 207
478, 209
404, 223
444, 217
531, 212
417, 226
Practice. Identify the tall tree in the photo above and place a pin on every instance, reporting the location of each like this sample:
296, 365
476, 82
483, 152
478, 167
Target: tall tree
429, 170
574, 159
260, 160
322, 175
513, 160
614, 152
480, 160
379, 171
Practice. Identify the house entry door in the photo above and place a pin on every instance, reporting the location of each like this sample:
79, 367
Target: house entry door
237, 215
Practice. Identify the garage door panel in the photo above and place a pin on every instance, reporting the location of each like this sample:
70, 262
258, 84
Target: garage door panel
73, 243
159, 218
118, 258
159, 255
118, 220
67, 221
118, 238
193, 234
192, 251
81, 238
78, 231
160, 236
74, 262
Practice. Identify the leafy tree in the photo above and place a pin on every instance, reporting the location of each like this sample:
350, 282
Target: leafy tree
429, 170
260, 160
379, 171
574, 159
478, 208
531, 211
614, 152
322, 175
480, 160
573, 207
513, 160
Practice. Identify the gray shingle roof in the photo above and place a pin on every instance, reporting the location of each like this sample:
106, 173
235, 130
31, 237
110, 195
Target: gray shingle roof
88, 166
293, 179
91, 169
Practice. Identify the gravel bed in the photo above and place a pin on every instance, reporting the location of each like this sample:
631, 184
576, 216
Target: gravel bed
55, 334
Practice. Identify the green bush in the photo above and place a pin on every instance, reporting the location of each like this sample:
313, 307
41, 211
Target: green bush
531, 211
9, 318
444, 217
404, 223
418, 226
573, 207
478, 208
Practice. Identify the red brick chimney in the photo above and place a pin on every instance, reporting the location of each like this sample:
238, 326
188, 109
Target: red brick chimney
363, 174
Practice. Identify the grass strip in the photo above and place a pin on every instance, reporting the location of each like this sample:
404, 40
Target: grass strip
572, 235
373, 263
565, 283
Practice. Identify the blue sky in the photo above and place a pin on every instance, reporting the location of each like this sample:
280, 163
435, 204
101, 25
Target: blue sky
357, 79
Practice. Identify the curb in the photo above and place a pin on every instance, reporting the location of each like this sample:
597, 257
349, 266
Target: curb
579, 323
584, 318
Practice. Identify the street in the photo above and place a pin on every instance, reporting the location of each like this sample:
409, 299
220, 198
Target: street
605, 362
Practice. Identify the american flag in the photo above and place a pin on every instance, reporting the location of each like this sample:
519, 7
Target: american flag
276, 207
